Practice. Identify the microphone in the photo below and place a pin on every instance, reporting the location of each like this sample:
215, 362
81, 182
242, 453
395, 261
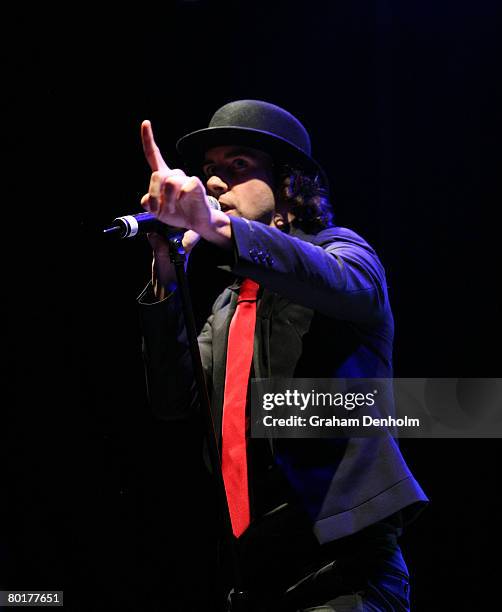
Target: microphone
129, 226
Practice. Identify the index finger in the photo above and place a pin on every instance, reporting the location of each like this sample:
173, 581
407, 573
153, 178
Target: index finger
150, 148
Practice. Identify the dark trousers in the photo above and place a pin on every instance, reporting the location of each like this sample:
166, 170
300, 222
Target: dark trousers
342, 585
285, 569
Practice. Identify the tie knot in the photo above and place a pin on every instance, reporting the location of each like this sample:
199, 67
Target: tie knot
248, 290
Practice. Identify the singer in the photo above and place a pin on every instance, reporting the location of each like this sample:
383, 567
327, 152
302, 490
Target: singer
317, 521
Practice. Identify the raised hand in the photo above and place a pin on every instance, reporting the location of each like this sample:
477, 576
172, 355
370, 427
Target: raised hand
175, 198
180, 201
163, 272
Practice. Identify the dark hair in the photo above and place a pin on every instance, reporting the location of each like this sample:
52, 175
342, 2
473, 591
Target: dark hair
307, 198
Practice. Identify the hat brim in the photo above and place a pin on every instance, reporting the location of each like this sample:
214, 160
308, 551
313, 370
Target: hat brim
193, 146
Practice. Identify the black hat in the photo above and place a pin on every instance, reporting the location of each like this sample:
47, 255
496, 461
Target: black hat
256, 124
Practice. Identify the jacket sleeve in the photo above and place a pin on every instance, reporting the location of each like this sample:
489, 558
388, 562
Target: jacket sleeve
337, 274
170, 380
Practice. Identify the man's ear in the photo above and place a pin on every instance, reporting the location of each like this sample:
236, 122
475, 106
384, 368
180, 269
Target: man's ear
278, 220
282, 217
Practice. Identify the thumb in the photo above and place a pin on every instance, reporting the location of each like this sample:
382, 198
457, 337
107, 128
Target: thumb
190, 239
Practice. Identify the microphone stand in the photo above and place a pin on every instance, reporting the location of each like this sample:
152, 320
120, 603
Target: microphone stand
238, 597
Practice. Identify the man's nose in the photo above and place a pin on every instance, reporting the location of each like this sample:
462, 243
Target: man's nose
216, 185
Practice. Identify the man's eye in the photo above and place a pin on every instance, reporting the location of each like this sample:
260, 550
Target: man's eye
209, 171
239, 163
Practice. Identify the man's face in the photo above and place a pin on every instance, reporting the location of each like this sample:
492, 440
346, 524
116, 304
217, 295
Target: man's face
242, 180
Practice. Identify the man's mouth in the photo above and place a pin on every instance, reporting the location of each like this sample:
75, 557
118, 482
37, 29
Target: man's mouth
226, 207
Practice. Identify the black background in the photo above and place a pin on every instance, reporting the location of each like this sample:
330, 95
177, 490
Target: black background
402, 101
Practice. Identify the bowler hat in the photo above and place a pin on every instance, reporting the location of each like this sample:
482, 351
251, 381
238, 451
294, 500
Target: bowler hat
257, 124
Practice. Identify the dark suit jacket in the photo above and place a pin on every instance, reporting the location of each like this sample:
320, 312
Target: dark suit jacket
324, 312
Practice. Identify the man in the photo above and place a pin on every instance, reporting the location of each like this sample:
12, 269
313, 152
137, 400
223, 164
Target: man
316, 521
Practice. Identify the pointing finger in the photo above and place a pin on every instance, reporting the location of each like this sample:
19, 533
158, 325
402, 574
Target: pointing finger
150, 148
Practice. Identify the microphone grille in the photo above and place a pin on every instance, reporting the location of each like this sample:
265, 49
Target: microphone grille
213, 203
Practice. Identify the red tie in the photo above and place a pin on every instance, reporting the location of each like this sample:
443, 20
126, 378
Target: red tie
239, 357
